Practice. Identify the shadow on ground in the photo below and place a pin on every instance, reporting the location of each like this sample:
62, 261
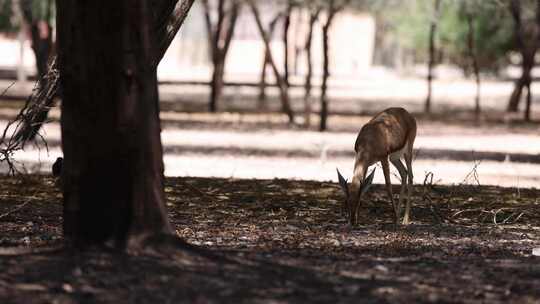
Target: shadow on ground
274, 241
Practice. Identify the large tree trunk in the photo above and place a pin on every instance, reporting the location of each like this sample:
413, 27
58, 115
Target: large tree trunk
309, 75
113, 182
326, 66
169, 16
282, 85
432, 51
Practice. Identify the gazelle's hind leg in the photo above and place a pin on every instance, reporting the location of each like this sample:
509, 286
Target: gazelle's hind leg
408, 161
386, 171
403, 174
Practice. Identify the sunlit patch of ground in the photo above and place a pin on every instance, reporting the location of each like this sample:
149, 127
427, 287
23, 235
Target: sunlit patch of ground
264, 146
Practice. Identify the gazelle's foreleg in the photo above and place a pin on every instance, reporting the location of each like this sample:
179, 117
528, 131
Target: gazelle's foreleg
403, 174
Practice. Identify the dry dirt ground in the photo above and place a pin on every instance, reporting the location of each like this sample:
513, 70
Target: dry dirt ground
279, 241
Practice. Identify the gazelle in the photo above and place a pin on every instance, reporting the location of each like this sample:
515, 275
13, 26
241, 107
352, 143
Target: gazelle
386, 137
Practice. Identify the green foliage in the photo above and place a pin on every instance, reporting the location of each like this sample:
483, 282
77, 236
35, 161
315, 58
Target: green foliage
409, 24
6, 24
32, 10
492, 28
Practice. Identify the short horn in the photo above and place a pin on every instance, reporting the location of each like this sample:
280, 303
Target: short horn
343, 183
368, 181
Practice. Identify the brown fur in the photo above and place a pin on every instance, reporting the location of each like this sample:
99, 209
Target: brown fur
388, 132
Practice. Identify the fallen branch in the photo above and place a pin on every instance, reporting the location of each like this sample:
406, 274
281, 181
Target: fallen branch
16, 209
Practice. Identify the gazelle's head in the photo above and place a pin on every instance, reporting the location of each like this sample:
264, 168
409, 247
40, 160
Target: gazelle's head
354, 192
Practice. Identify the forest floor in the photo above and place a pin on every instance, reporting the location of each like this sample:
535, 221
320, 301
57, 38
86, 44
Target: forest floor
282, 241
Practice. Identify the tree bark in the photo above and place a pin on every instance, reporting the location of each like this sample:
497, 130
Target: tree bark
286, 47
282, 85
113, 181
309, 62
262, 82
520, 84
527, 115
332, 11
209, 27
528, 53
48, 87
515, 98
168, 19
432, 51
221, 37
536, 42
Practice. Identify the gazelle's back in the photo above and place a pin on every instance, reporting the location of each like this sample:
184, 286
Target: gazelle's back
390, 129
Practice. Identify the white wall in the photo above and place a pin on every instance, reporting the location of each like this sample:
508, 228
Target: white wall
10, 54
352, 42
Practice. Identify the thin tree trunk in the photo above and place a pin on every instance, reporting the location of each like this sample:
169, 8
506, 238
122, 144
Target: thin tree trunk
515, 98
326, 66
520, 84
528, 108
432, 50
217, 82
113, 181
529, 101
282, 85
309, 75
209, 28
222, 37
48, 88
286, 47
528, 53
474, 60
263, 83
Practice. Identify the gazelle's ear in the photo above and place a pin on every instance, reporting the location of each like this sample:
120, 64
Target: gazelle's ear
367, 183
343, 183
